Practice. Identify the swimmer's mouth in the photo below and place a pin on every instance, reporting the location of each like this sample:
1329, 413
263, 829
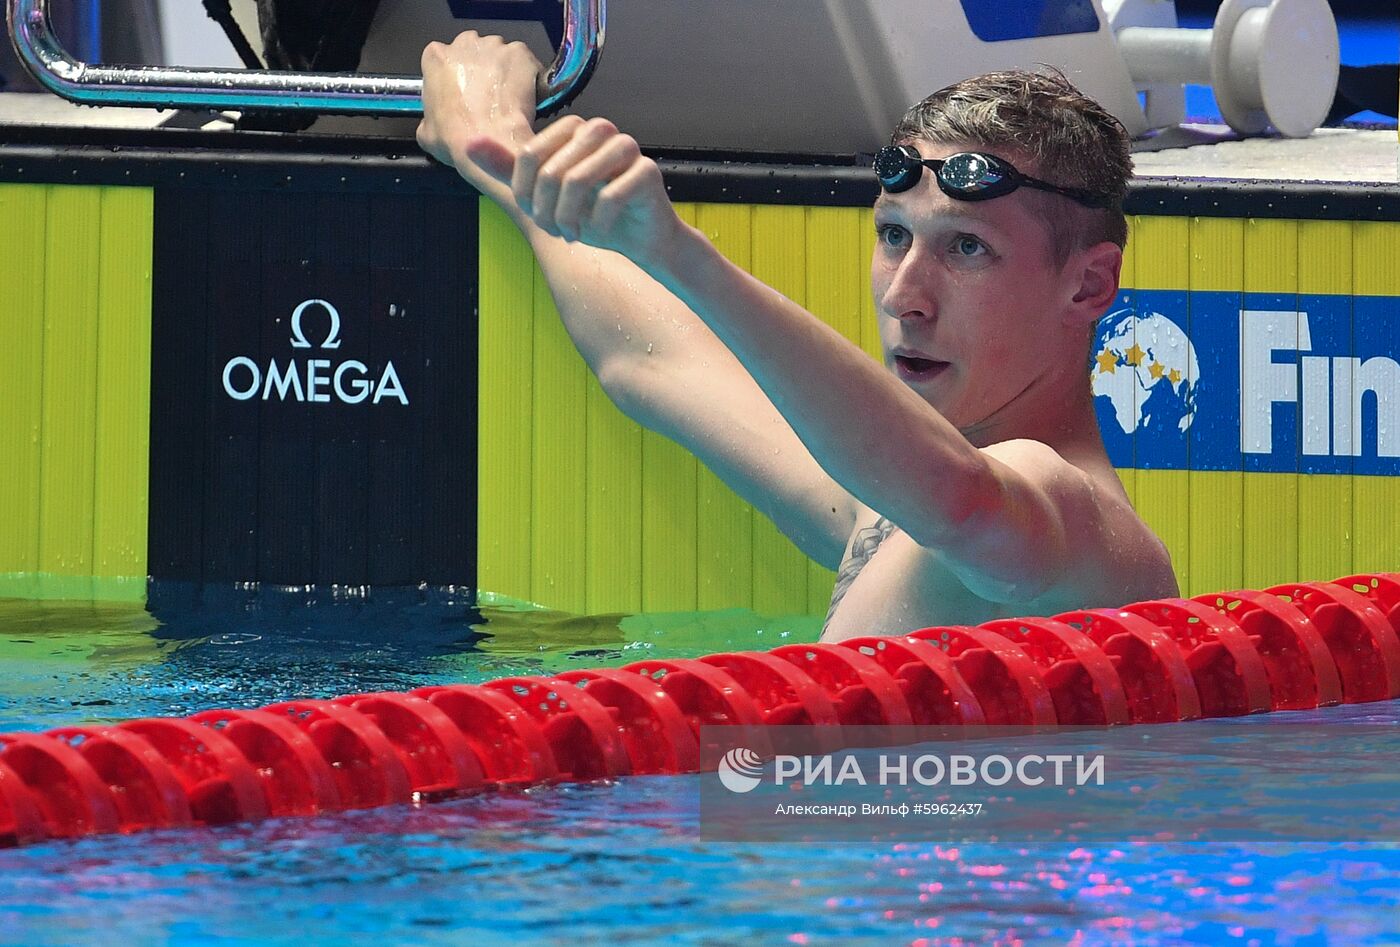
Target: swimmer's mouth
918, 368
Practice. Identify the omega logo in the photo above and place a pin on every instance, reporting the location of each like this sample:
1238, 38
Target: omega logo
312, 380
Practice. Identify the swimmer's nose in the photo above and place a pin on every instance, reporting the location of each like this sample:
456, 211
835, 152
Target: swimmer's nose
908, 297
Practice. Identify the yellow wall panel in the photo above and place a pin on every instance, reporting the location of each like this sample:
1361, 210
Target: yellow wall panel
24, 210
123, 423
558, 573
1163, 499
613, 506
72, 273
1325, 527
506, 392
1376, 509
725, 563
869, 317
1162, 252
836, 285
1325, 257
670, 527
780, 260
1376, 245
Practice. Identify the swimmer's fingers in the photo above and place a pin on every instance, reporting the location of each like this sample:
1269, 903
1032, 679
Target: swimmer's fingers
573, 212
535, 154
549, 180
638, 193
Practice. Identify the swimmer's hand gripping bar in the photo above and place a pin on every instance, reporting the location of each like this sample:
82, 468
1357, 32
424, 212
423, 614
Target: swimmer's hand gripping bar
239, 89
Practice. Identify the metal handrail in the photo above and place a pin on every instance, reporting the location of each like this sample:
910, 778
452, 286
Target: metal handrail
242, 89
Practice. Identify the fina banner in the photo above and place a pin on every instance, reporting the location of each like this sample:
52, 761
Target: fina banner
1255, 382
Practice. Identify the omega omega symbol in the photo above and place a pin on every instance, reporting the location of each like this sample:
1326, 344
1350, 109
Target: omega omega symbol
312, 380
332, 337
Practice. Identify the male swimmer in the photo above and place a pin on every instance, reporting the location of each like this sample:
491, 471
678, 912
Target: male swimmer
962, 480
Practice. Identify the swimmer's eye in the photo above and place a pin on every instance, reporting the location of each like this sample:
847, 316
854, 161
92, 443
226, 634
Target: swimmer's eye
892, 236
966, 245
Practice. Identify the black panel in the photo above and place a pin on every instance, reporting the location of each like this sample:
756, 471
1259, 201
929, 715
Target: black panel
448, 533
232, 433
343, 449
179, 330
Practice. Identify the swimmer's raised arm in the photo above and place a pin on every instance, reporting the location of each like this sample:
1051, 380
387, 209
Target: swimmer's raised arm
652, 355
998, 517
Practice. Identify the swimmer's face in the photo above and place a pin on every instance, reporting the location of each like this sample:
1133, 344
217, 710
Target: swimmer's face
965, 293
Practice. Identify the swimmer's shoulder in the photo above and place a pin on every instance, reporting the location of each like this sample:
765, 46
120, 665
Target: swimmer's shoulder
1121, 558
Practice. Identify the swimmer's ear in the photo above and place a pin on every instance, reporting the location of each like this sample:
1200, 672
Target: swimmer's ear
1094, 275
492, 156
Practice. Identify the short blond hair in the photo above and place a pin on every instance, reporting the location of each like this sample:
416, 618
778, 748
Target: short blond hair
1072, 140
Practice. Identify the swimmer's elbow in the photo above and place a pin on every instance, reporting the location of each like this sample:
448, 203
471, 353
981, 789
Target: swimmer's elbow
622, 382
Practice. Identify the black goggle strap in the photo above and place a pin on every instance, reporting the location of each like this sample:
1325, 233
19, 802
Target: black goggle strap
1073, 193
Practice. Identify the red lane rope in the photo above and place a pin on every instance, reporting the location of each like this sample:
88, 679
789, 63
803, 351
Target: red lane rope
1292, 647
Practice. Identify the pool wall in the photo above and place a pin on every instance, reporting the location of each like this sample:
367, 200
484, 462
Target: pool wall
1250, 378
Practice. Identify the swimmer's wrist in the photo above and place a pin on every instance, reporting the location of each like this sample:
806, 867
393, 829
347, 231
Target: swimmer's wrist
672, 253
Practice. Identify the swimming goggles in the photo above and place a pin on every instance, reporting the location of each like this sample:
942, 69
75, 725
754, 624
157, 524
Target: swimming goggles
966, 176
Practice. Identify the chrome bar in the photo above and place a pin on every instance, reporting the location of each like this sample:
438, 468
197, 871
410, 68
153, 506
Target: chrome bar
243, 89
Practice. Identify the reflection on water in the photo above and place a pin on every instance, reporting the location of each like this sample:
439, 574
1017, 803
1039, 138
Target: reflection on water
615, 861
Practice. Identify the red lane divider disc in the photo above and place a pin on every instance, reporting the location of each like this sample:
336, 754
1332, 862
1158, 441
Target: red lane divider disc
1155, 676
936, 693
652, 728
510, 745
21, 820
784, 695
1083, 684
145, 789
1362, 642
71, 797
217, 778
1301, 671
1230, 675
1382, 588
437, 756
1006, 681
368, 770
296, 779
580, 731
707, 696
864, 694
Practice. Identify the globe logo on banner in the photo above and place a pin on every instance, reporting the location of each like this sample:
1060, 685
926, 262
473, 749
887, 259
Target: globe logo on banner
740, 770
1145, 367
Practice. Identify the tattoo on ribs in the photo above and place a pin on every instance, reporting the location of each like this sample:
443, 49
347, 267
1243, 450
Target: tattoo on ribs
867, 541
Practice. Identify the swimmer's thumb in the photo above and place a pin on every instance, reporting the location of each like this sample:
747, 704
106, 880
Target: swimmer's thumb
492, 156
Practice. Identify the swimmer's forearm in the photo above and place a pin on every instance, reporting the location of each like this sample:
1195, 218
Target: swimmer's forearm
607, 304
873, 435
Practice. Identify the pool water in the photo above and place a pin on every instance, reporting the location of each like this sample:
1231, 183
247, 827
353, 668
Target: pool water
622, 862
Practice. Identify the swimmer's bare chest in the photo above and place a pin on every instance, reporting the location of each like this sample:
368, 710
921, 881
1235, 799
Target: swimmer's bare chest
890, 585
